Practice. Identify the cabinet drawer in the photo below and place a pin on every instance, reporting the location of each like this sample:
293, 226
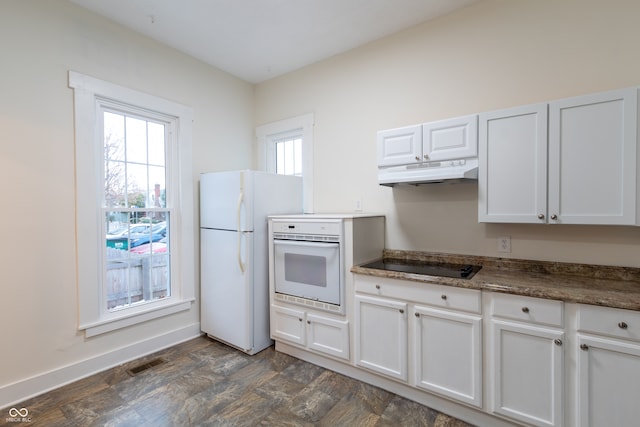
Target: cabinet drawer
613, 322
424, 293
527, 309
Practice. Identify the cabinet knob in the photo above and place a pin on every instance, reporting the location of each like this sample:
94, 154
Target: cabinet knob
525, 309
557, 341
418, 158
623, 325
401, 310
443, 296
540, 216
416, 314
308, 322
377, 286
584, 347
554, 217
426, 157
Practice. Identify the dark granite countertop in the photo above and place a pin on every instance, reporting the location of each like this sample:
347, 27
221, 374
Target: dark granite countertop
607, 286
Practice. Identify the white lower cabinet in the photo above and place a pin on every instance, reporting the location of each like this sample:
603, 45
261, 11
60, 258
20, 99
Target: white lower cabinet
313, 331
527, 359
434, 338
428, 335
608, 363
381, 336
448, 353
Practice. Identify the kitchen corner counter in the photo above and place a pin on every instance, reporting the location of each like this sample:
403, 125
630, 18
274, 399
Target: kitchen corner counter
607, 286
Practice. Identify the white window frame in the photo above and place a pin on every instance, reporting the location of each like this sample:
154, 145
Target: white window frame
93, 317
267, 135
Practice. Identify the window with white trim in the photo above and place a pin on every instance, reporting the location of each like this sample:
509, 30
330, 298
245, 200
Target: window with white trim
286, 147
134, 205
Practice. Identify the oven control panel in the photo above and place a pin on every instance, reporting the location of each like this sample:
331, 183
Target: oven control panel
325, 227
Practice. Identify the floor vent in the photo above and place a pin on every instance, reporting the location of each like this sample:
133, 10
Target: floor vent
143, 367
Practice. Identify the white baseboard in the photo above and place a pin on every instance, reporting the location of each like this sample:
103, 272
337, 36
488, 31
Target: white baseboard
12, 394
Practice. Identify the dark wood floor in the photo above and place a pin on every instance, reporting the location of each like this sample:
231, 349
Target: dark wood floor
205, 383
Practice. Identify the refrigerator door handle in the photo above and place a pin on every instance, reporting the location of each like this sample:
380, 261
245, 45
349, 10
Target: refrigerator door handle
240, 262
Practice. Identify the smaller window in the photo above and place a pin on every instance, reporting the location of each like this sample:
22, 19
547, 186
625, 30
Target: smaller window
289, 155
286, 147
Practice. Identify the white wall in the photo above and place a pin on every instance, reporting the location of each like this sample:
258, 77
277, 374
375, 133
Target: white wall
494, 54
40, 41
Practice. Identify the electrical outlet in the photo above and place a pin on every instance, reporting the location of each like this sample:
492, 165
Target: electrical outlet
504, 244
358, 205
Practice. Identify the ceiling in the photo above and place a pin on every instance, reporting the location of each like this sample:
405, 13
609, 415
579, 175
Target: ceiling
256, 40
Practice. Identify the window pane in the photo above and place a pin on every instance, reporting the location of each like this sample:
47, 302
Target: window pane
157, 184
156, 144
138, 257
136, 140
114, 136
280, 158
137, 188
288, 157
114, 184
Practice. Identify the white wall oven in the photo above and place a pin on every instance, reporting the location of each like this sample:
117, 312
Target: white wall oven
308, 264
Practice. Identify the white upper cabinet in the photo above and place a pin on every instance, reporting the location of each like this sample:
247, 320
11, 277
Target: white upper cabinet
573, 164
592, 158
400, 146
512, 183
442, 140
450, 139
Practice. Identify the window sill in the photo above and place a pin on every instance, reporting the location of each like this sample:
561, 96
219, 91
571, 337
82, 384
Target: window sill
130, 319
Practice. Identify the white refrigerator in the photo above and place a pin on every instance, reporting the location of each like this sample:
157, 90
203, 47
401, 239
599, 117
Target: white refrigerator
234, 272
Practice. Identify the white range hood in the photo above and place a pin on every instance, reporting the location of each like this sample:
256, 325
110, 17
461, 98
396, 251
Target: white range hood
440, 151
429, 173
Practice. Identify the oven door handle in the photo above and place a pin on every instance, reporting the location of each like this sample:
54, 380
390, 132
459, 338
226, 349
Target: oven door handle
305, 243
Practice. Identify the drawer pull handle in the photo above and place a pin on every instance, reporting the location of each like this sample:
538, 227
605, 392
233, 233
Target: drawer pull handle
443, 296
623, 325
557, 341
377, 286
525, 309
584, 347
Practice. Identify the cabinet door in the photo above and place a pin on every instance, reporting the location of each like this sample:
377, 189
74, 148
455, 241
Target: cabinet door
381, 336
448, 357
287, 325
512, 181
450, 139
328, 336
608, 382
400, 146
527, 364
592, 159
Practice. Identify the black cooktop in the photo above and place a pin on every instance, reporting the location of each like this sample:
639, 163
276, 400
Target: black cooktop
457, 271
